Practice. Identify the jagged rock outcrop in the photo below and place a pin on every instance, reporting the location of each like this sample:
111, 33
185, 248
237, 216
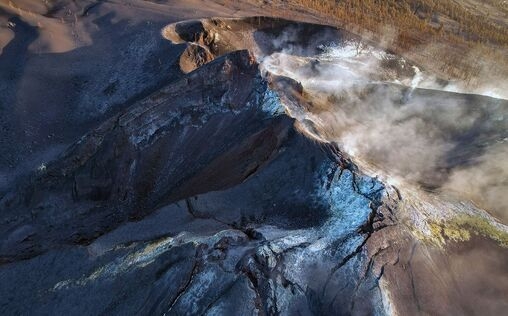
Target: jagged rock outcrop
194, 57
137, 160
246, 206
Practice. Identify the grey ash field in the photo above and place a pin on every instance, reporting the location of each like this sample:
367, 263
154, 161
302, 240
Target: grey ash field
196, 158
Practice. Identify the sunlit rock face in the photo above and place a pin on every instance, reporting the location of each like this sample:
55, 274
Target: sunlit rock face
225, 191
240, 211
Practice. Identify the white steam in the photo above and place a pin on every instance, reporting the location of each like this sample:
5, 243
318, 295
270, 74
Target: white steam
486, 182
367, 101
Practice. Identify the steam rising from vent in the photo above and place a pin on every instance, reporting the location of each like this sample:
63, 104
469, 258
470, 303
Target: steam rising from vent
486, 182
371, 103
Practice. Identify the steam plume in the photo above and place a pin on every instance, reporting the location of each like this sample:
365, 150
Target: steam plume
371, 103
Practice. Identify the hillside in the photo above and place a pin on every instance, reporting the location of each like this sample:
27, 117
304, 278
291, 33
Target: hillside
457, 39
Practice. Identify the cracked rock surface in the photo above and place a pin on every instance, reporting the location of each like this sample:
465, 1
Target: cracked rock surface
241, 213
